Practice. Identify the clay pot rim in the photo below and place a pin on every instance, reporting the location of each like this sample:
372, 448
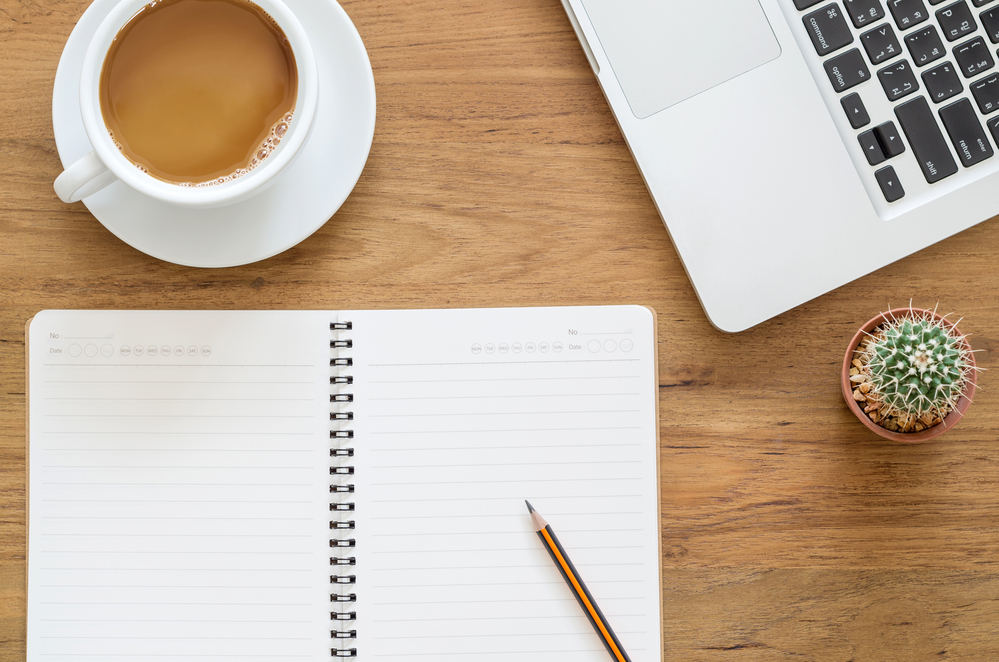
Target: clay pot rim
948, 422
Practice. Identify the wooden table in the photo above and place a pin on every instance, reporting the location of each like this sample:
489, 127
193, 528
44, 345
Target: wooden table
499, 178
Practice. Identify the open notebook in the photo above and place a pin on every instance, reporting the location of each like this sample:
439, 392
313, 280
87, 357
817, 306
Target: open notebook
301, 485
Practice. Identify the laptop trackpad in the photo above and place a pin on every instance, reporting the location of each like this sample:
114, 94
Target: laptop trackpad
665, 51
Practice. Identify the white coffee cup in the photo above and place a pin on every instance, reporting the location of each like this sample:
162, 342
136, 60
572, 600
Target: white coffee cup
106, 164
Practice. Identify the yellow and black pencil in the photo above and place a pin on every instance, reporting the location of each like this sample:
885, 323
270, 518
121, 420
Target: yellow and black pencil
578, 588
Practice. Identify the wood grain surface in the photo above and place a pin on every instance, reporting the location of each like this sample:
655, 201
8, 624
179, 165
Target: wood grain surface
498, 177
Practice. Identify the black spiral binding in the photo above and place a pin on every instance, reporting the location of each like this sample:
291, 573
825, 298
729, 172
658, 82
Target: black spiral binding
340, 596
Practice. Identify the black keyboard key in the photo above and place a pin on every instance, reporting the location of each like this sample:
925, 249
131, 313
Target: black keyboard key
855, 110
993, 125
981, 3
908, 13
891, 142
846, 70
881, 143
926, 140
956, 20
986, 93
828, 29
935, 2
942, 82
890, 186
880, 44
970, 142
872, 147
805, 4
925, 45
990, 21
973, 57
864, 12
898, 80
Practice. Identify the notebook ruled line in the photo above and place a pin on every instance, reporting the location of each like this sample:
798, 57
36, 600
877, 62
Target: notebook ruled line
573, 429
199, 586
161, 569
470, 602
185, 484
510, 633
528, 481
500, 549
173, 416
185, 570
180, 399
600, 497
493, 653
495, 601
214, 366
495, 517
187, 604
163, 466
575, 412
189, 638
159, 551
600, 462
498, 566
499, 379
151, 518
137, 656
477, 364
494, 397
186, 435
493, 532
162, 620
179, 450
198, 501
474, 447
175, 535
483, 584
126, 382
491, 618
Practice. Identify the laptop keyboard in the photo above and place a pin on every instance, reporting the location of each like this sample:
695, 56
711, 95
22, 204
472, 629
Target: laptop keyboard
916, 85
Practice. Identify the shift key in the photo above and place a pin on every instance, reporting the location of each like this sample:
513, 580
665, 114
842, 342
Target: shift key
926, 140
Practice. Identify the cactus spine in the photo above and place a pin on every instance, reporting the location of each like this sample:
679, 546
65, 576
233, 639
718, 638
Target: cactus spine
918, 364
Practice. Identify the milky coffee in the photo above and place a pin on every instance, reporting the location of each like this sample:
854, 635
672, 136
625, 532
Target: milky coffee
198, 92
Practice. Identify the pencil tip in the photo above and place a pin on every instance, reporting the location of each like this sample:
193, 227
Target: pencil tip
530, 508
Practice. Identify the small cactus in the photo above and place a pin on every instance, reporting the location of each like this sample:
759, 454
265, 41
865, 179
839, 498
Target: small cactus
917, 364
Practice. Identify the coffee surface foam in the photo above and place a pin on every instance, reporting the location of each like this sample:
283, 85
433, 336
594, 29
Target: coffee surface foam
198, 92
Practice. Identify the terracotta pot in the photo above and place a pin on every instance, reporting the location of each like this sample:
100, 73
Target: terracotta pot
907, 437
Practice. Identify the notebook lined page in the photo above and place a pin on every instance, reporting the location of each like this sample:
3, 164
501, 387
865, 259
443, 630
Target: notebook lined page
178, 486
458, 420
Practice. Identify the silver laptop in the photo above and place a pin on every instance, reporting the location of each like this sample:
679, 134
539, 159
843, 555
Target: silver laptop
792, 146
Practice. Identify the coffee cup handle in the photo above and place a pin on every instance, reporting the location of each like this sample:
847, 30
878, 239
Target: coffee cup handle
85, 177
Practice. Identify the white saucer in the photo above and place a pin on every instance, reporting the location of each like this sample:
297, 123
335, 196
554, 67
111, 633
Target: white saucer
299, 202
